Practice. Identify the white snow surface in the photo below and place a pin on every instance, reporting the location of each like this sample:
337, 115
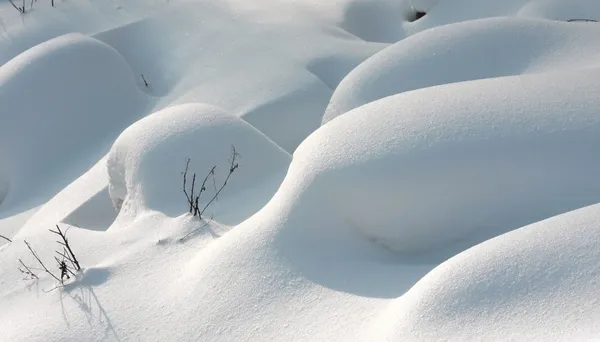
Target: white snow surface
96, 98
158, 146
536, 283
399, 178
467, 51
424, 172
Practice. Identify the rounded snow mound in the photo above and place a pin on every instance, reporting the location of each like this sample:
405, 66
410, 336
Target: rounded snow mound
467, 51
562, 10
61, 100
540, 282
422, 170
147, 161
445, 12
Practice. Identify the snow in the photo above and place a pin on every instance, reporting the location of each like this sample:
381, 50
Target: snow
467, 51
399, 178
46, 127
539, 282
158, 146
425, 173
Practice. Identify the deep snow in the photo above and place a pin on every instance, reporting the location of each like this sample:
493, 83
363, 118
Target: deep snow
391, 170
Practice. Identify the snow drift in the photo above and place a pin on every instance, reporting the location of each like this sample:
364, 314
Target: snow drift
372, 202
467, 51
146, 162
63, 102
539, 282
444, 12
421, 170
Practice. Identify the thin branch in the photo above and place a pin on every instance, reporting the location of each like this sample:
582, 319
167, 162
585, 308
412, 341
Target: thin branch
17, 7
64, 269
5, 238
189, 199
66, 256
40, 261
202, 189
144, 79
65, 243
192, 193
195, 230
232, 167
27, 271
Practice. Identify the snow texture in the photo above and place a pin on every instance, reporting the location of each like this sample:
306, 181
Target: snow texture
467, 51
414, 170
147, 161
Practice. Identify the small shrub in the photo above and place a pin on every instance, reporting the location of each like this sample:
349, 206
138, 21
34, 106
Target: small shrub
193, 201
67, 264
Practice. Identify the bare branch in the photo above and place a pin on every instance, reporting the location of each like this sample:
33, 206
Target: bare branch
232, 167
40, 261
192, 193
66, 245
65, 255
5, 238
21, 10
27, 271
195, 230
144, 79
202, 189
189, 198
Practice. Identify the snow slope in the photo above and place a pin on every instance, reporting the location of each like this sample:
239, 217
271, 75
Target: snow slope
405, 209
536, 283
271, 82
46, 126
483, 157
467, 51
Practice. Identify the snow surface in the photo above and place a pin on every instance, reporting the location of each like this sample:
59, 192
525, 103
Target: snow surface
399, 178
424, 172
537, 283
158, 146
46, 127
467, 51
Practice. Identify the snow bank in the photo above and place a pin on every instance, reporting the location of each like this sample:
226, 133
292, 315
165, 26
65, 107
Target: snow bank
424, 169
561, 10
430, 171
63, 102
444, 12
467, 51
539, 282
146, 162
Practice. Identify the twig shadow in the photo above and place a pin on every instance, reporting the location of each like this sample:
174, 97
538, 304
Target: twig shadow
83, 294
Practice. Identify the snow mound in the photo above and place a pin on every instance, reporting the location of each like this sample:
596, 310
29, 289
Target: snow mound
467, 51
562, 10
146, 162
539, 282
444, 12
422, 170
63, 101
